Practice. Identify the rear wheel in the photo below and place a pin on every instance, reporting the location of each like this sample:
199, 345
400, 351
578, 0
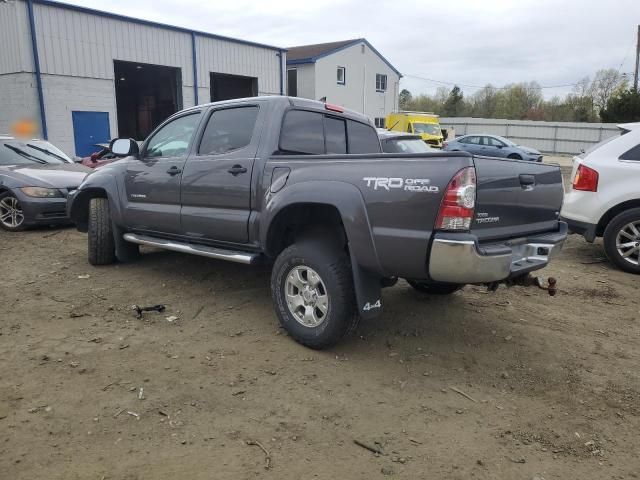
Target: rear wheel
515, 156
101, 247
622, 241
435, 288
11, 214
313, 293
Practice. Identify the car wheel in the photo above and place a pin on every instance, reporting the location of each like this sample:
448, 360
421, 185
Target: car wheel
514, 156
313, 293
11, 214
101, 246
434, 288
622, 240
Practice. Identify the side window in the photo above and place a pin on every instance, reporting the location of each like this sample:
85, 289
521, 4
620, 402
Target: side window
302, 132
633, 154
173, 139
494, 142
340, 75
381, 82
336, 135
473, 140
362, 138
228, 129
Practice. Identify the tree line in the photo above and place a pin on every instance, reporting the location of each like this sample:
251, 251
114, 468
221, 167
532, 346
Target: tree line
605, 98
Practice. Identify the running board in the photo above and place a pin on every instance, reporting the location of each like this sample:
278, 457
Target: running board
202, 250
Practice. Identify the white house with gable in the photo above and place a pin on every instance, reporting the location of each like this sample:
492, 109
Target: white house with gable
350, 73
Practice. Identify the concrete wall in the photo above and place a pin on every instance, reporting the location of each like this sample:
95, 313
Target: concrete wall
551, 137
19, 99
359, 91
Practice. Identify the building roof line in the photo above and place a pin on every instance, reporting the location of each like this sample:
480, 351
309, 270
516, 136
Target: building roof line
313, 58
149, 23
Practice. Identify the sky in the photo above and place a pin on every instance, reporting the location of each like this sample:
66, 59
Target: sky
465, 42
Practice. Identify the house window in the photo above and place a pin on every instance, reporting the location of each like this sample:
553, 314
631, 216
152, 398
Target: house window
381, 82
379, 121
341, 75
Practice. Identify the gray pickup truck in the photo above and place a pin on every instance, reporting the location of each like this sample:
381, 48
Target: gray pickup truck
304, 185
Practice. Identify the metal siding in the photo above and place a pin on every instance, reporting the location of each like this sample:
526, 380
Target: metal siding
77, 44
14, 37
221, 56
551, 137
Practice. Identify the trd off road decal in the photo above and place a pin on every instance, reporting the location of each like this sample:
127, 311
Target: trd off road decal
407, 184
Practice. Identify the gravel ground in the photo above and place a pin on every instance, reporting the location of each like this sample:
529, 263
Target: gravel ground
512, 384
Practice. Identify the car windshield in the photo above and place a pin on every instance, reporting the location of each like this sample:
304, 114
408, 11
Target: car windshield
405, 145
429, 128
15, 152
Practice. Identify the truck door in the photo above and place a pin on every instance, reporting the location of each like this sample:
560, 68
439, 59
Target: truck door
216, 183
152, 182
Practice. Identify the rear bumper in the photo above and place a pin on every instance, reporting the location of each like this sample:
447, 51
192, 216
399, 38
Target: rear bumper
587, 230
458, 258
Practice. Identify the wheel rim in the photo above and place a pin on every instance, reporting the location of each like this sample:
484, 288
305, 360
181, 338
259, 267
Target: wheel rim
307, 297
11, 215
628, 242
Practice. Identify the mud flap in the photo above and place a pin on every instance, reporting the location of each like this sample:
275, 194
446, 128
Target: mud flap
368, 291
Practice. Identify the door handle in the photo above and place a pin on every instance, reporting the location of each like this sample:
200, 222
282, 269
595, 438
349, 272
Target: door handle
174, 170
527, 180
237, 170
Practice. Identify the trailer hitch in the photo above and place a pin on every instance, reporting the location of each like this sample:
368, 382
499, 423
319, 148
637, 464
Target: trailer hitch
528, 280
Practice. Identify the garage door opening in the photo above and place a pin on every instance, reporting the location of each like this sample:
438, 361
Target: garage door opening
145, 96
227, 87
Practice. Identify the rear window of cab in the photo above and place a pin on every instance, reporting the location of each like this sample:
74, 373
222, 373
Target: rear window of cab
312, 133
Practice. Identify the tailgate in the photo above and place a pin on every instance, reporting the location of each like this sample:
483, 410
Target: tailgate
515, 198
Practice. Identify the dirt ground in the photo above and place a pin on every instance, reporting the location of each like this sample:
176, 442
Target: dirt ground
87, 391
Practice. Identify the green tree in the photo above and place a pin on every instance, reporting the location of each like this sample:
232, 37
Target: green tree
624, 106
454, 105
404, 99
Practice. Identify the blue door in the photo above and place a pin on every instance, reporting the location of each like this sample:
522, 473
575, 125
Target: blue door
90, 128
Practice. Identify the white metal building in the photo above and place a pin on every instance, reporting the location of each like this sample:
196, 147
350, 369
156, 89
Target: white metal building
89, 75
351, 73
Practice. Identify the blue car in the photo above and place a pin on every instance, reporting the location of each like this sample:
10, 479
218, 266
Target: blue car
492, 146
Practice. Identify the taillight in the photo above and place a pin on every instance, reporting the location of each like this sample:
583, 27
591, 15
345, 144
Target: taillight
456, 209
586, 179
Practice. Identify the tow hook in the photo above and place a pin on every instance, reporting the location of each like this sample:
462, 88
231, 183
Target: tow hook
528, 280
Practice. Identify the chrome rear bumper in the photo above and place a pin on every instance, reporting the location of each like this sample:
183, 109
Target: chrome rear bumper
465, 261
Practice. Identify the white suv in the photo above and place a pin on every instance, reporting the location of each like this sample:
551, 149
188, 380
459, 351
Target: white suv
605, 197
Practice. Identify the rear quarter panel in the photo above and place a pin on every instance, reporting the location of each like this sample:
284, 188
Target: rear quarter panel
400, 197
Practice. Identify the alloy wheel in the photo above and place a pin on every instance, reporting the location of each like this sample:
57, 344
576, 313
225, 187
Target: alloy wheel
628, 242
11, 215
306, 296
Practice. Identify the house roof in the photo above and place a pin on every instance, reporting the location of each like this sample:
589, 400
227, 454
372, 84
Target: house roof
310, 53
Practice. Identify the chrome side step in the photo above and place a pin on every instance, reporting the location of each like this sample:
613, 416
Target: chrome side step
202, 250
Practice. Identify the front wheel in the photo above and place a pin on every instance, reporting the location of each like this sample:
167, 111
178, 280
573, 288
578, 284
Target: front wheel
11, 214
313, 294
515, 156
435, 288
622, 241
101, 246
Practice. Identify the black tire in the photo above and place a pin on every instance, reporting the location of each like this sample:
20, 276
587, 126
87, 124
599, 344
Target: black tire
435, 288
12, 202
101, 247
615, 226
334, 269
514, 156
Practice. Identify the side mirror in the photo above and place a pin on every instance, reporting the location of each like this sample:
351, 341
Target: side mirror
124, 147
500, 146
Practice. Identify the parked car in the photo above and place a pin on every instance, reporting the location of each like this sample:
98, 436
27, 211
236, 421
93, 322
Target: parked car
398, 142
99, 157
303, 184
492, 146
35, 179
604, 200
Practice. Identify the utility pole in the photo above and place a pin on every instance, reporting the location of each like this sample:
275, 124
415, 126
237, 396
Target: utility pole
635, 76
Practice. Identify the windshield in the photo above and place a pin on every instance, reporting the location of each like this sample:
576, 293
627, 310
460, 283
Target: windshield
429, 128
406, 145
15, 152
